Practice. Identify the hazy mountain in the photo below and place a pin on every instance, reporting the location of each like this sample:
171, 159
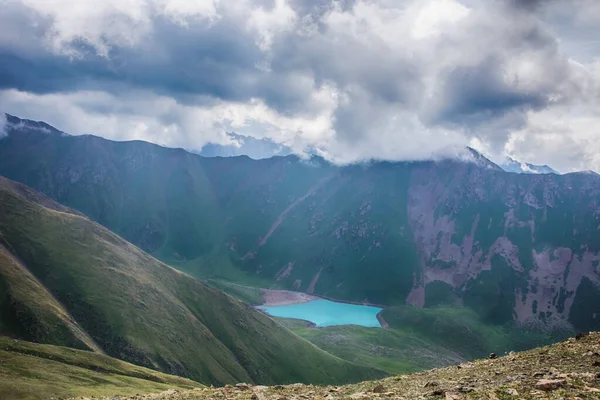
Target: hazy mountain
520, 248
246, 145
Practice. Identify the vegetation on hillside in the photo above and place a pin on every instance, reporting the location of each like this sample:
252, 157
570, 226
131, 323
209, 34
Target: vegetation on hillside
418, 339
140, 310
392, 350
462, 330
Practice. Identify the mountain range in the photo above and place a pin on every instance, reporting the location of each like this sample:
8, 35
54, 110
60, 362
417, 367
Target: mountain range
515, 248
265, 148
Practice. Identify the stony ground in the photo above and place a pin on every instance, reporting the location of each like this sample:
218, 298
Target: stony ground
568, 370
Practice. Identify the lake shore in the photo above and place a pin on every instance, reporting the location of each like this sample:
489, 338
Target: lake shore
285, 297
280, 297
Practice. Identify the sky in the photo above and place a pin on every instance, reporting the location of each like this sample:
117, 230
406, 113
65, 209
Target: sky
349, 79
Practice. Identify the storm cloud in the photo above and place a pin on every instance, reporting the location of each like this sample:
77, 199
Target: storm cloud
351, 80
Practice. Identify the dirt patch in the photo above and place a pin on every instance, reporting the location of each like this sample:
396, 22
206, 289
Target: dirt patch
382, 321
285, 271
284, 214
285, 297
311, 287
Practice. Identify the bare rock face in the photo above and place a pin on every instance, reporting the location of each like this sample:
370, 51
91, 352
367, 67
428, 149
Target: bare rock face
535, 236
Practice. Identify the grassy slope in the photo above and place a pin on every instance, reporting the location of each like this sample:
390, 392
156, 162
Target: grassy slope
392, 350
571, 366
145, 312
29, 311
462, 330
418, 339
31, 371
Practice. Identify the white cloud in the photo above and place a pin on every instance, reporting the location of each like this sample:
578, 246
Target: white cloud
3, 123
268, 24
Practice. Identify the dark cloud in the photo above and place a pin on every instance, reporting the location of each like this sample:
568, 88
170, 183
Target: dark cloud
528, 4
386, 74
475, 94
218, 60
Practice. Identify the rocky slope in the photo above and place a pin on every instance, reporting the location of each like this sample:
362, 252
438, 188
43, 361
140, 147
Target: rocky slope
68, 281
569, 370
513, 247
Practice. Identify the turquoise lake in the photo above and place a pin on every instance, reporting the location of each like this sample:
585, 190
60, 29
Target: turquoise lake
327, 313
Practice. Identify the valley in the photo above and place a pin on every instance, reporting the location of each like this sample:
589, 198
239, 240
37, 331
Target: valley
515, 248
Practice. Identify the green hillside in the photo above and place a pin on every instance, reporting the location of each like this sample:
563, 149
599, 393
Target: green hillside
31, 371
137, 309
392, 350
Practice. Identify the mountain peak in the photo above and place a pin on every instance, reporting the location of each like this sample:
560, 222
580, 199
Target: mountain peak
472, 155
14, 124
511, 165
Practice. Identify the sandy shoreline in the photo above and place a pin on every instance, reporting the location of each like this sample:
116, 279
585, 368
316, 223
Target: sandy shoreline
285, 297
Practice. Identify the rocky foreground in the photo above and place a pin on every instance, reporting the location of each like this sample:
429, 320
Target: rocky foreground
568, 370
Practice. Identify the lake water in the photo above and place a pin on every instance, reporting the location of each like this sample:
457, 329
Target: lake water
327, 313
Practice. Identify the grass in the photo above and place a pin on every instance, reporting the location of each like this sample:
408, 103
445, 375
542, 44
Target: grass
391, 350
418, 339
462, 330
31, 371
29, 311
140, 310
